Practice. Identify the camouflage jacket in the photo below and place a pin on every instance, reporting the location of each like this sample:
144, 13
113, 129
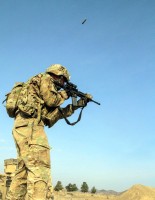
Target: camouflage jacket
44, 94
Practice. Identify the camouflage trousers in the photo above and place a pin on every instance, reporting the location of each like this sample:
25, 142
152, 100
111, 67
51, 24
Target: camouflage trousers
32, 180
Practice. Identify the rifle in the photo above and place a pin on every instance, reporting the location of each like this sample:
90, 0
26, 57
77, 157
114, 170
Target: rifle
73, 92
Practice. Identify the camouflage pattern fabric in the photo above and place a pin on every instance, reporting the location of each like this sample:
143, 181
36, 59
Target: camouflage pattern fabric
58, 70
33, 176
53, 116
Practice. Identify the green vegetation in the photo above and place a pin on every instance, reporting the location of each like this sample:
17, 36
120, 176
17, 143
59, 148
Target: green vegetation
58, 186
84, 187
93, 190
71, 187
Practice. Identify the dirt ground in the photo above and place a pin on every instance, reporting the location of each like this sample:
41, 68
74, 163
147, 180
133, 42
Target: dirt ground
81, 196
136, 192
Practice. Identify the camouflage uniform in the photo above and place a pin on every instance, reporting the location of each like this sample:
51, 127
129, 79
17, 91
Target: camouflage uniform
33, 172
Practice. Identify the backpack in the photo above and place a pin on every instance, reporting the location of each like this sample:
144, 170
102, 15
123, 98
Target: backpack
29, 101
18, 98
12, 98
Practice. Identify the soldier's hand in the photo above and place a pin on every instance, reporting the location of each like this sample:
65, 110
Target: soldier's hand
88, 97
81, 103
63, 94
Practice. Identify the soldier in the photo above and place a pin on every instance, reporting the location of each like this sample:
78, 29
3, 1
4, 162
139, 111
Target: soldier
38, 104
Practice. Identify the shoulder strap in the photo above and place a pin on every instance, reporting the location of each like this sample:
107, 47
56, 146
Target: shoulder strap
67, 121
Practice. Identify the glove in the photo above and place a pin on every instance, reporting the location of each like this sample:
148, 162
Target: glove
81, 103
63, 94
88, 96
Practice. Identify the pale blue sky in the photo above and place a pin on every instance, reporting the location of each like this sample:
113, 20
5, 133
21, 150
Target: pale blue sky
111, 56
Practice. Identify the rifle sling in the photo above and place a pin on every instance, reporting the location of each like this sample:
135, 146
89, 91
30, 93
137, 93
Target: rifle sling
67, 121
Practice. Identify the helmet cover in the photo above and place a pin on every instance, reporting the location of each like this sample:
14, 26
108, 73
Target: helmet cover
58, 70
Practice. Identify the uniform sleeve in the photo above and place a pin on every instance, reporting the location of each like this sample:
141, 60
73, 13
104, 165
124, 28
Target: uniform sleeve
53, 116
67, 111
49, 93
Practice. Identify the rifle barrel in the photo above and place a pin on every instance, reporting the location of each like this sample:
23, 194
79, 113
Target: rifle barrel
95, 102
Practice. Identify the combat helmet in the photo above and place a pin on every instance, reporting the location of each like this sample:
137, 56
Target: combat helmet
58, 70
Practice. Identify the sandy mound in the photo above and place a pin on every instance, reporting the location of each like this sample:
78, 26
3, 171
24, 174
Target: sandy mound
138, 192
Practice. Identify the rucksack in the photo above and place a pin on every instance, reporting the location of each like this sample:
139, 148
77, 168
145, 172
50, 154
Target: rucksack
29, 101
12, 98
17, 98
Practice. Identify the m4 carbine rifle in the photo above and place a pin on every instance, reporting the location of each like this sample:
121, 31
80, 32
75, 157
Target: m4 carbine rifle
73, 92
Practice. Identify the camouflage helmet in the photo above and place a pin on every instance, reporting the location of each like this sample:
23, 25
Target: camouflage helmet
58, 70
